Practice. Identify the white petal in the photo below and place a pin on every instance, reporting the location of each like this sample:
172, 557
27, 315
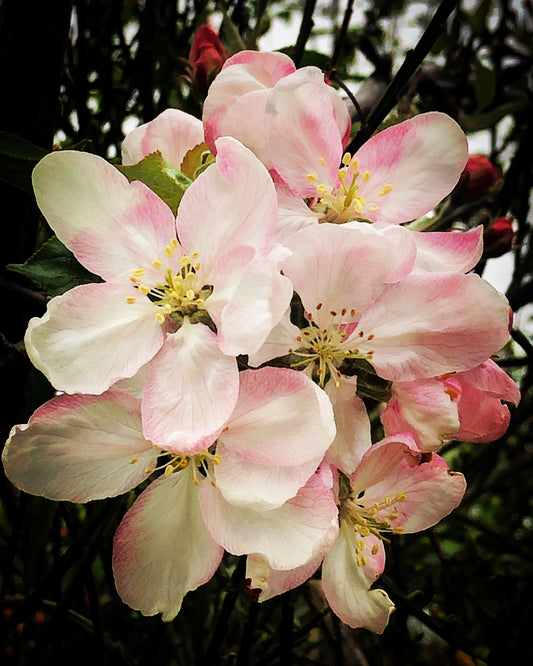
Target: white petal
162, 549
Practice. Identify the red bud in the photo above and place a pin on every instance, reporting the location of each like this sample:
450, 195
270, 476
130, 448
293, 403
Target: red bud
207, 57
498, 237
478, 176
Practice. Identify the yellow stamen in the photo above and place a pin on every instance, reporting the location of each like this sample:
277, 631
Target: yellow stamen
385, 190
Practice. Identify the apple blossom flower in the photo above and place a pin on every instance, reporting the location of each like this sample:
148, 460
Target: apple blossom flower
395, 489
397, 175
466, 406
362, 304
169, 285
239, 97
253, 489
478, 177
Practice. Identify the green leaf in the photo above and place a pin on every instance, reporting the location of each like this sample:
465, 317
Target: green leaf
54, 269
17, 160
162, 178
484, 85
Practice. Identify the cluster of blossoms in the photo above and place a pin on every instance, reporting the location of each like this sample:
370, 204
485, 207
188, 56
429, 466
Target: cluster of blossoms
230, 355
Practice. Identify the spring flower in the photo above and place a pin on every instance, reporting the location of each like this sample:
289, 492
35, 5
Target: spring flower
479, 177
168, 286
240, 96
398, 175
254, 489
207, 56
394, 490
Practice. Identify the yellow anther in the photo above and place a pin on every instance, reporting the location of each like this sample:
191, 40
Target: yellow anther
354, 162
311, 177
398, 530
197, 266
144, 289
373, 209
216, 459
361, 560
196, 481
156, 263
195, 255
364, 531
322, 189
130, 299
346, 159
168, 470
160, 317
134, 460
375, 549
148, 470
388, 500
385, 190
322, 161
366, 176
394, 516
359, 546
185, 260
401, 496
169, 250
190, 294
167, 308
174, 243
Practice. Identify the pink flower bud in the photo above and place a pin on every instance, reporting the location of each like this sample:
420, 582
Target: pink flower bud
207, 57
498, 237
478, 176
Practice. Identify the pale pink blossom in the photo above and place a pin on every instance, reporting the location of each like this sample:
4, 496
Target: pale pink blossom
398, 175
253, 490
239, 98
395, 489
362, 304
169, 284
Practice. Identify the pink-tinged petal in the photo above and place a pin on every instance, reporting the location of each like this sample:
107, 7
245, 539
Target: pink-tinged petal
111, 225
304, 137
90, 337
281, 418
80, 448
172, 133
482, 415
428, 325
421, 159
162, 549
346, 581
235, 104
448, 252
256, 486
281, 339
250, 295
427, 408
340, 267
263, 582
190, 392
288, 537
213, 219
353, 426
342, 115
414, 492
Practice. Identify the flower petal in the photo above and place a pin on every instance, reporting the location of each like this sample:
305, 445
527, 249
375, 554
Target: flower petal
427, 325
172, 133
288, 536
281, 418
90, 337
190, 392
420, 158
162, 549
112, 226
347, 582
263, 582
80, 448
448, 252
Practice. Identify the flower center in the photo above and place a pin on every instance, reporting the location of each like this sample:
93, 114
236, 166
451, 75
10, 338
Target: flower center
326, 348
201, 464
180, 293
342, 202
375, 519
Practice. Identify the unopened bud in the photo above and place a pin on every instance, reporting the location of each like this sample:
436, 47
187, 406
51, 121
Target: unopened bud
498, 238
478, 177
207, 57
